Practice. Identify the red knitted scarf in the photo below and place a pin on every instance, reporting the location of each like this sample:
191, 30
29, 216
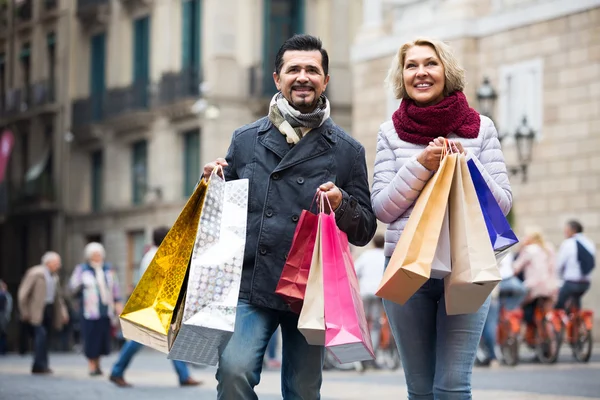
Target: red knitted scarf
420, 125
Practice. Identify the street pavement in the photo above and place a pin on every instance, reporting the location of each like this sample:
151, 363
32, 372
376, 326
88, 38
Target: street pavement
154, 378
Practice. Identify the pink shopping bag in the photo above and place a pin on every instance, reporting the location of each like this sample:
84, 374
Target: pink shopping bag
347, 335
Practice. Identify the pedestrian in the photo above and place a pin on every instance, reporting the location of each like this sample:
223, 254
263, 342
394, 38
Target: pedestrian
6, 306
131, 348
271, 360
575, 252
287, 156
369, 271
437, 350
42, 306
95, 284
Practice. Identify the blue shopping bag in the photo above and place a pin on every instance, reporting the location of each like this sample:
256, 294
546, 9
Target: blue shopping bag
499, 230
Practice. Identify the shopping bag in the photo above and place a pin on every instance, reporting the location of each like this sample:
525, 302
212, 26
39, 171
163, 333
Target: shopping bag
213, 285
347, 335
410, 264
150, 310
311, 322
499, 230
292, 283
442, 261
474, 271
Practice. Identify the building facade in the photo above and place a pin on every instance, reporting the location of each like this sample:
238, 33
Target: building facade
543, 59
158, 87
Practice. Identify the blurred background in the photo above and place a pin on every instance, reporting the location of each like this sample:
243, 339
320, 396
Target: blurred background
109, 108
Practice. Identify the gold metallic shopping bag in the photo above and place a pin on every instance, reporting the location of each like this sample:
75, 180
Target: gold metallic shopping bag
150, 310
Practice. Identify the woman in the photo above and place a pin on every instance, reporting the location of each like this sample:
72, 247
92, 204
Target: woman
437, 350
537, 261
96, 284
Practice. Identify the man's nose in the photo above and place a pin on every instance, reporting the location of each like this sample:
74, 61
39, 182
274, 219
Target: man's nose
302, 76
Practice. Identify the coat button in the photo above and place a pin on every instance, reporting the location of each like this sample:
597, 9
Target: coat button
263, 251
295, 218
275, 176
300, 181
269, 213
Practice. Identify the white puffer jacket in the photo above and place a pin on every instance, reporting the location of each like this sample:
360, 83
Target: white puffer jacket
399, 178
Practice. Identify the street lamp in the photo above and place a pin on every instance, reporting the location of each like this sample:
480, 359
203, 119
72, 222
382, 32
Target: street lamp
524, 135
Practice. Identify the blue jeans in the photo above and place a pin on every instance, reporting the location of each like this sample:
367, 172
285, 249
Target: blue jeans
517, 289
241, 361
40, 340
437, 350
130, 349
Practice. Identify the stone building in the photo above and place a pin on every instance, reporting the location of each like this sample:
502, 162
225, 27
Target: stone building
543, 59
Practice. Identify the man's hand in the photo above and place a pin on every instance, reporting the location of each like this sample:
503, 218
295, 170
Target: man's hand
334, 194
209, 168
65, 319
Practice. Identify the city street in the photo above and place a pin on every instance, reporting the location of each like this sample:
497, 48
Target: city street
154, 378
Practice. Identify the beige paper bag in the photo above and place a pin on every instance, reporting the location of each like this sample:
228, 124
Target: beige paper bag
410, 265
474, 271
311, 322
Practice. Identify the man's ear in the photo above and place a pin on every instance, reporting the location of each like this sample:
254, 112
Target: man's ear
277, 81
326, 82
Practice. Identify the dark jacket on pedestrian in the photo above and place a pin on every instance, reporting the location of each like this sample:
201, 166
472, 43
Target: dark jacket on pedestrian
283, 182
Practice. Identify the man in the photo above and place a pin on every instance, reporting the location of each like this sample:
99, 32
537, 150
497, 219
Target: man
6, 305
42, 305
369, 271
131, 348
288, 156
576, 259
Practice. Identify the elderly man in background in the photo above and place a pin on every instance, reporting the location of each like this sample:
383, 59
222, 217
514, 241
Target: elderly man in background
42, 305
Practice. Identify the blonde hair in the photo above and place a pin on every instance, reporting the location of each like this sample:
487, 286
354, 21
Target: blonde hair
534, 235
454, 73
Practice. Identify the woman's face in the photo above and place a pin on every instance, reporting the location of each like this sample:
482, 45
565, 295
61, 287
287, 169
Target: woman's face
96, 257
424, 76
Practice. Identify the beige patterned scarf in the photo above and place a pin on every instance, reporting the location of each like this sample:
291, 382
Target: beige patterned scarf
292, 123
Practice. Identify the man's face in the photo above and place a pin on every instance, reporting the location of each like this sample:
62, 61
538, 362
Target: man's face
54, 264
568, 231
302, 79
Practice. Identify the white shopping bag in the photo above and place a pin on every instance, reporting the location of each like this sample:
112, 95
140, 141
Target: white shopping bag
442, 262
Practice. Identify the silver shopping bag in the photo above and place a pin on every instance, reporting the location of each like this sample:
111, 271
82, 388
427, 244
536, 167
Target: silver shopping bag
208, 318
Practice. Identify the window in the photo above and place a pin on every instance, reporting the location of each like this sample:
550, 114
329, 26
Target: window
97, 238
191, 34
141, 60
97, 75
139, 170
2, 82
191, 161
283, 19
25, 57
51, 39
97, 179
521, 94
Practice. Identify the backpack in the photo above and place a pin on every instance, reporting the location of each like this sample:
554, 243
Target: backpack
585, 258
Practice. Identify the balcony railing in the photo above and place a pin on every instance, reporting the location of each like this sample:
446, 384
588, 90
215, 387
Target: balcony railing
123, 100
88, 110
43, 93
93, 12
24, 11
175, 86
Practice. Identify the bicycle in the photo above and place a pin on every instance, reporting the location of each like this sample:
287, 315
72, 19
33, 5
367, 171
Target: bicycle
578, 324
386, 355
544, 335
509, 332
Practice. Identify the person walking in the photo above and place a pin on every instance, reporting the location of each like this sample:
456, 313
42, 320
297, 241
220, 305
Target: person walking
6, 306
42, 306
287, 156
95, 284
437, 350
131, 348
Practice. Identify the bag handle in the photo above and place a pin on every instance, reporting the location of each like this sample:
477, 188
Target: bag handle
324, 196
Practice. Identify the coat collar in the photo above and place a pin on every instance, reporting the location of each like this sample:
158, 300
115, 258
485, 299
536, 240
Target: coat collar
315, 143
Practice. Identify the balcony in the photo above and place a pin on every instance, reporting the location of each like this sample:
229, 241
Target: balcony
24, 15
35, 195
12, 103
26, 102
93, 13
260, 90
49, 10
132, 5
177, 91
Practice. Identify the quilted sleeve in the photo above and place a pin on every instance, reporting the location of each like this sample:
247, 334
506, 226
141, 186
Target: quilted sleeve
395, 191
492, 166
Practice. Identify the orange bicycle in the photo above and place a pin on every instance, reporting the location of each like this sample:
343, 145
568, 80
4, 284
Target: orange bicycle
509, 332
386, 353
578, 324
544, 335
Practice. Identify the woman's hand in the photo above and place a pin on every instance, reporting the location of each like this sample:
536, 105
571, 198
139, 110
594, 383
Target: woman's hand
455, 146
430, 157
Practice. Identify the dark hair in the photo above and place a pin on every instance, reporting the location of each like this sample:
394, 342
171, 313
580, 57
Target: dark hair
379, 241
159, 235
302, 43
575, 226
